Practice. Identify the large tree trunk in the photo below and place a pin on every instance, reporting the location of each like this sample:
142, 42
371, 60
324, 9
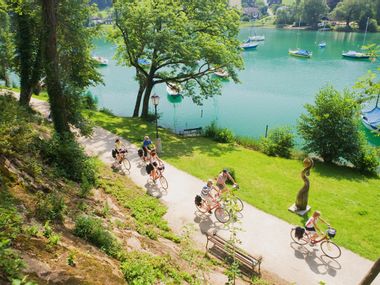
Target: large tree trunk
54, 88
139, 94
372, 273
7, 80
25, 49
148, 90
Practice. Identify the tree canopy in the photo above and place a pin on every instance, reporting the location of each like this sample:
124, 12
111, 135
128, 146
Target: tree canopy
313, 10
183, 41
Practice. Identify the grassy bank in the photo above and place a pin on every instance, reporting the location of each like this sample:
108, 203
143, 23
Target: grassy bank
347, 199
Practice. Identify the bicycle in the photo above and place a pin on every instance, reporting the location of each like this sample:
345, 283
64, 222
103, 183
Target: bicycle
123, 161
160, 177
302, 237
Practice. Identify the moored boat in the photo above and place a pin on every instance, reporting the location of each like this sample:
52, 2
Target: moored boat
300, 53
355, 54
371, 119
220, 72
257, 38
322, 44
249, 45
100, 60
173, 89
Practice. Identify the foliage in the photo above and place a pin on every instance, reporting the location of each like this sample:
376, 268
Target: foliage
50, 206
10, 263
23, 281
89, 101
279, 142
54, 239
331, 128
47, 231
68, 157
92, 230
313, 10
6, 46
183, 40
141, 268
71, 259
222, 135
248, 142
285, 15
366, 159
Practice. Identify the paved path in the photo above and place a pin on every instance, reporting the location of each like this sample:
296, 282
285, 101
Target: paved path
264, 234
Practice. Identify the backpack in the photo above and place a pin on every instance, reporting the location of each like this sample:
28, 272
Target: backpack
149, 168
299, 232
198, 200
114, 153
140, 152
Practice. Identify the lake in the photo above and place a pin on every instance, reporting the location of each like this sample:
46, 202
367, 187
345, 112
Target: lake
273, 90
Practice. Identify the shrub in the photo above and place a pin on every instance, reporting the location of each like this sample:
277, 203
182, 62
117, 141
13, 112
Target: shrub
249, 143
222, 135
107, 111
279, 142
69, 159
91, 229
89, 101
142, 268
366, 159
50, 206
10, 263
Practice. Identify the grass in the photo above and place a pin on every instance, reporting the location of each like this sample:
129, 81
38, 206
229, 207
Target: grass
347, 199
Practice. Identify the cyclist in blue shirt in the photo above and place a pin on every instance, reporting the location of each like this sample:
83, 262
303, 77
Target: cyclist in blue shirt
145, 146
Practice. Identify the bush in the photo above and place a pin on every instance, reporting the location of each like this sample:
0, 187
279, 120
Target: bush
91, 229
249, 143
89, 101
279, 142
366, 160
107, 111
69, 159
50, 206
218, 134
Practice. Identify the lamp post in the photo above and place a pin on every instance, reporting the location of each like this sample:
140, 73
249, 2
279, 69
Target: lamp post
155, 100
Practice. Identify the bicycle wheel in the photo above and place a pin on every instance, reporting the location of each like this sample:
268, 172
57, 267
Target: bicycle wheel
126, 164
302, 241
164, 182
239, 204
222, 215
330, 249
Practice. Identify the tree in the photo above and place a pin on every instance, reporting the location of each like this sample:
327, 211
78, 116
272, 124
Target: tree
372, 273
313, 10
284, 15
183, 41
331, 130
347, 10
332, 4
6, 44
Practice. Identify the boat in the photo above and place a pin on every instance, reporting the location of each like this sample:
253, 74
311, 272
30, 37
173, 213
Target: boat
300, 53
355, 54
371, 119
100, 60
220, 72
257, 38
249, 45
322, 44
173, 89
143, 61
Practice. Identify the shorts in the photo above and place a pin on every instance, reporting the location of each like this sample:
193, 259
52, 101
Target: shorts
312, 229
145, 151
220, 186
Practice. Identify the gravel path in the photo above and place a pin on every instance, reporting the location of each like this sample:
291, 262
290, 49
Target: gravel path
263, 234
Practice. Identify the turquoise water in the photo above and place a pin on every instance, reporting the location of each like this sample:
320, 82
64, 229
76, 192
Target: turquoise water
273, 90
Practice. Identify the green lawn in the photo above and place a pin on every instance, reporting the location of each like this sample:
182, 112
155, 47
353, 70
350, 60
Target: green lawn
347, 199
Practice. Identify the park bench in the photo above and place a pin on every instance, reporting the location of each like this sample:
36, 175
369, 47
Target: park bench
222, 249
191, 132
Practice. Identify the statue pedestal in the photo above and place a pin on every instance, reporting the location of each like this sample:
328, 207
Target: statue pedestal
293, 209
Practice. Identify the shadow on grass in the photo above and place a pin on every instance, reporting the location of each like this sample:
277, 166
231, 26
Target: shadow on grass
341, 172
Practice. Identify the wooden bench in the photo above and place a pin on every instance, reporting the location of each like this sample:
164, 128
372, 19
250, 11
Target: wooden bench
222, 249
191, 132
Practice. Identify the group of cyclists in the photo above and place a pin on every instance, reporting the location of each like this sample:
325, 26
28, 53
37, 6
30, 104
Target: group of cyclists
209, 192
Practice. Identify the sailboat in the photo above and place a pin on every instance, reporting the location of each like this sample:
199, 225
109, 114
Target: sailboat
356, 54
173, 89
248, 45
303, 53
101, 61
371, 119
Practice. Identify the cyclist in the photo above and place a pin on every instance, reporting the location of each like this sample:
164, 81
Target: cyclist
222, 178
311, 225
207, 194
145, 147
120, 150
155, 163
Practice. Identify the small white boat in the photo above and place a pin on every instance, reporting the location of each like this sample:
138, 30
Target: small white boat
300, 53
257, 38
100, 60
249, 45
220, 72
371, 118
173, 89
355, 54
322, 44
